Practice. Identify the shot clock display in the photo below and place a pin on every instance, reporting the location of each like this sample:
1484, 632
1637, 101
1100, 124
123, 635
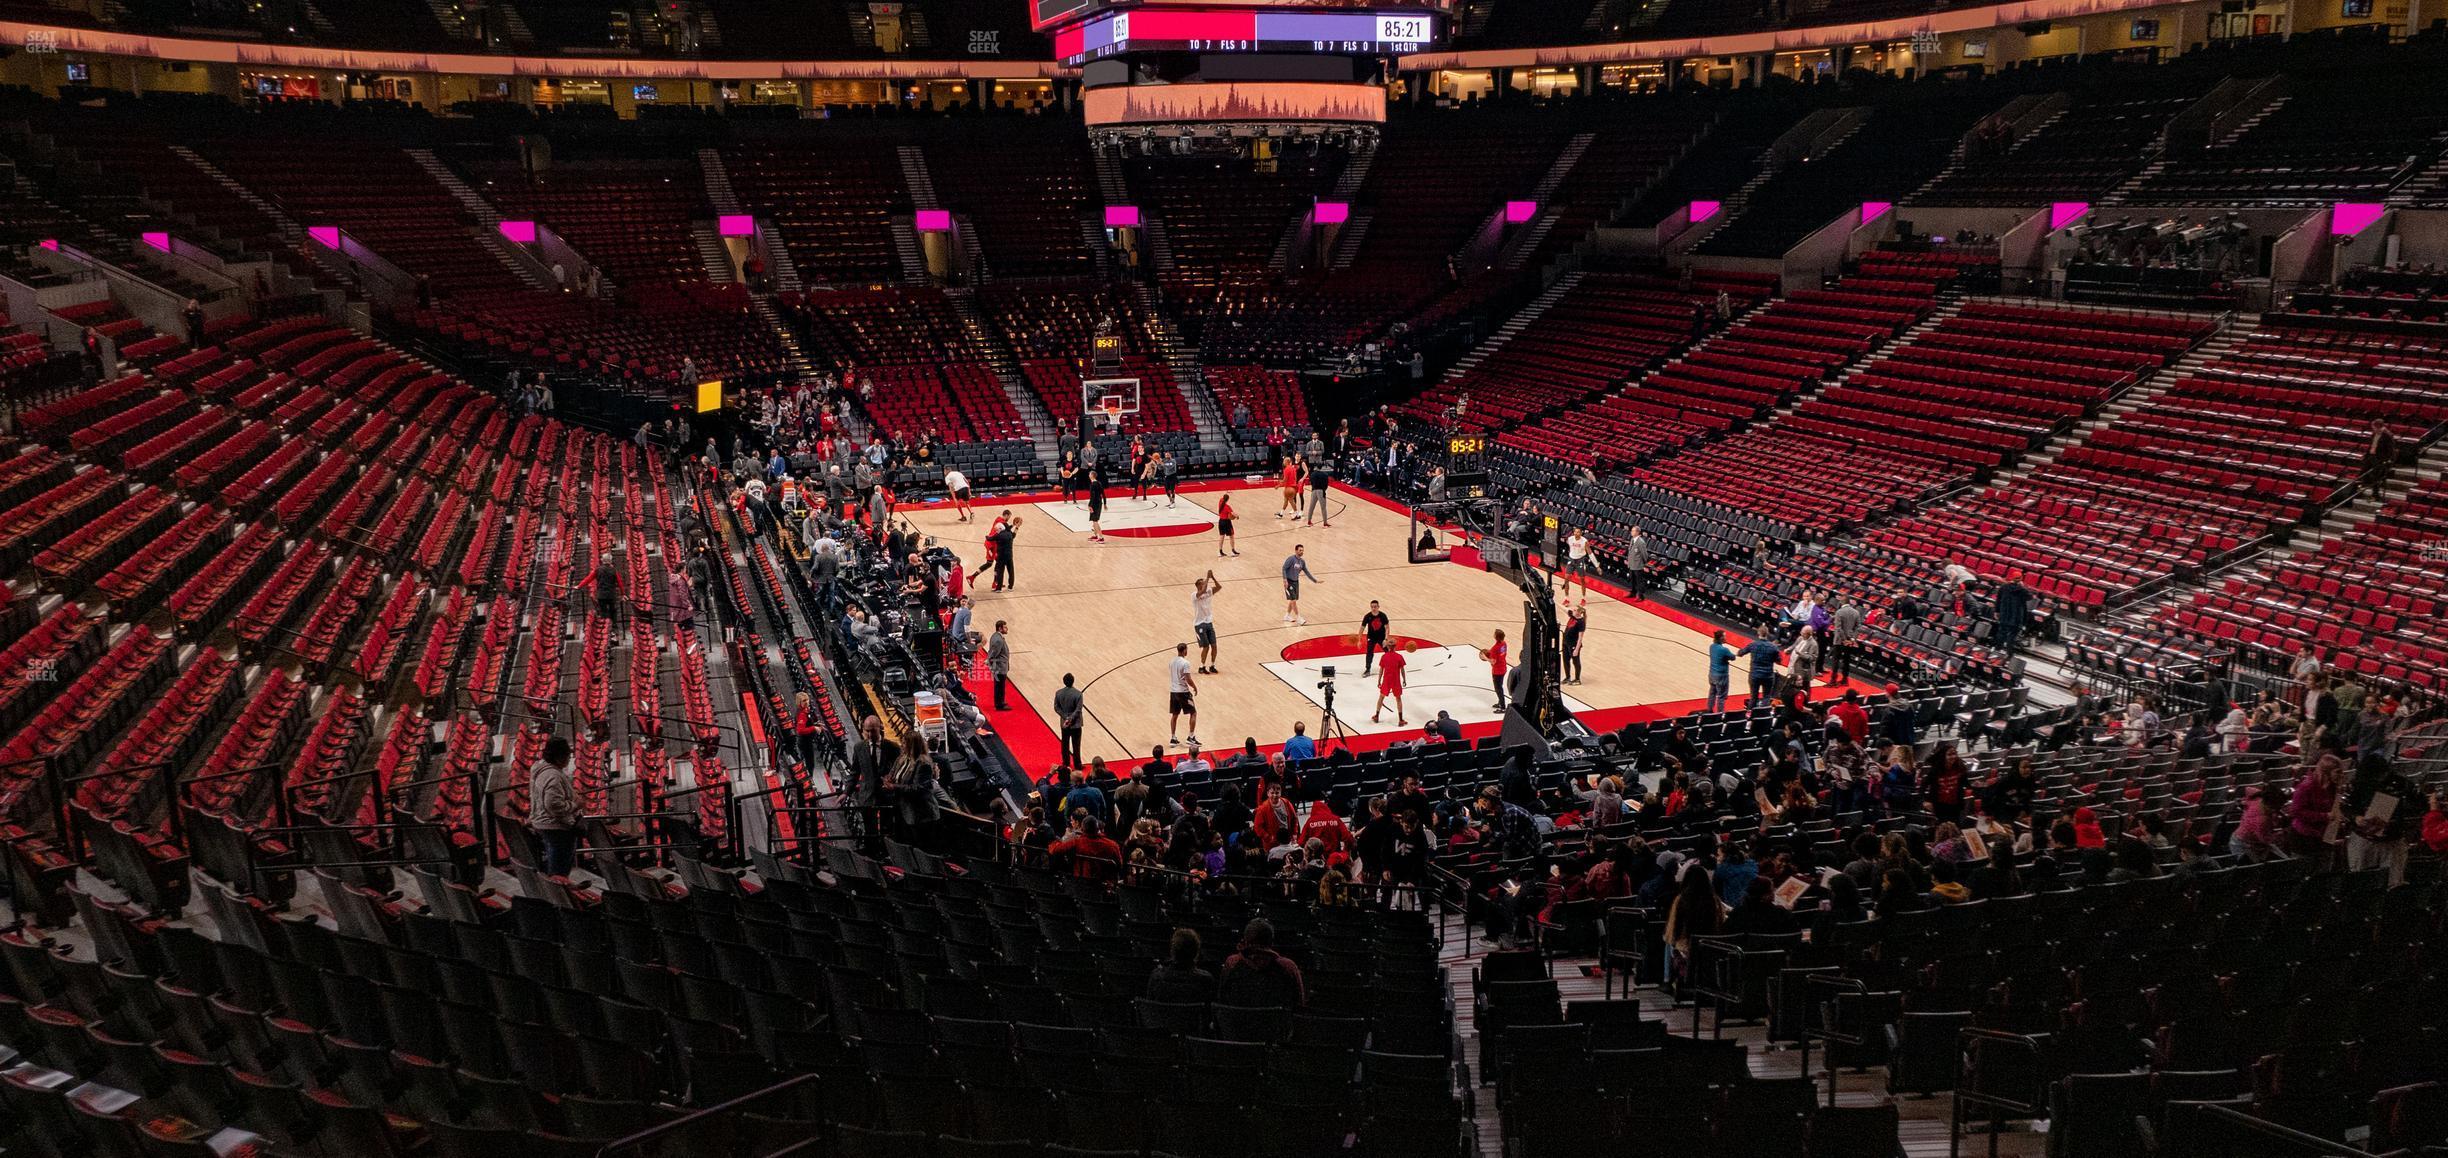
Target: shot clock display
1466, 473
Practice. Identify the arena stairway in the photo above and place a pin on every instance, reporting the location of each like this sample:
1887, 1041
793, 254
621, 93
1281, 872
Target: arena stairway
1041, 427
1181, 357
532, 271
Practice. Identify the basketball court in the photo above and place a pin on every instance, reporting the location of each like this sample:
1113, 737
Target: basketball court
1110, 614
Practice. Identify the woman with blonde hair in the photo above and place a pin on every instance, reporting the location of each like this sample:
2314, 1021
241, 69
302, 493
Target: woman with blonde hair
1334, 889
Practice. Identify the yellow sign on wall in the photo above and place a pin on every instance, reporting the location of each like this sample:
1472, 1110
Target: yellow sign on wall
709, 396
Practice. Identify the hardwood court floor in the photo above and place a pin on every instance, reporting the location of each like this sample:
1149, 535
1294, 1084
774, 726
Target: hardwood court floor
1110, 614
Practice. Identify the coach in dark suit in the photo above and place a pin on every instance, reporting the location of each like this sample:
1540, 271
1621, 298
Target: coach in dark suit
871, 758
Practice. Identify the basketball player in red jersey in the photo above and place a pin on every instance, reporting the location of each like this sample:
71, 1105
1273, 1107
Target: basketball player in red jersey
1390, 683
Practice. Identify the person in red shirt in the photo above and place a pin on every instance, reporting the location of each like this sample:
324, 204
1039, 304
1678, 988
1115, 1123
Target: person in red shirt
806, 724
1499, 657
2435, 825
1390, 683
1848, 712
2087, 831
993, 529
1094, 855
1326, 828
1291, 488
1273, 819
1224, 527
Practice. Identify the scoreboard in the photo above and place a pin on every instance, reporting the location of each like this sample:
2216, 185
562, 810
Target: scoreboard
1367, 32
1211, 68
1047, 14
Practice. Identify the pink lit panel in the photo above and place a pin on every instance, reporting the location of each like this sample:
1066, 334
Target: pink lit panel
2347, 218
934, 221
2065, 213
736, 225
1703, 210
519, 232
157, 240
1121, 217
327, 236
1517, 212
50, 243
1333, 212
1871, 210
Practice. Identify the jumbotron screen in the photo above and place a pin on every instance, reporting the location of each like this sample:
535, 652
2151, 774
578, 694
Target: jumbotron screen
1052, 13
1362, 32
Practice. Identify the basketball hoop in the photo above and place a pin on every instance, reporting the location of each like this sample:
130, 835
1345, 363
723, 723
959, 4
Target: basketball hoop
1109, 400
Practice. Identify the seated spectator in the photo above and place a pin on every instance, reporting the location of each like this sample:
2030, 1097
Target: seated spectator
1085, 799
1178, 979
1734, 874
1864, 868
2134, 862
1948, 845
1899, 894
1696, 913
1944, 887
1842, 905
1094, 855
2311, 804
1997, 877
1759, 912
2435, 825
1259, 977
2258, 834
2087, 831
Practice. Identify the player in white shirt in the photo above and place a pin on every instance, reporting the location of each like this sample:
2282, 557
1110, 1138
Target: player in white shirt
957, 485
1202, 619
1181, 687
1578, 561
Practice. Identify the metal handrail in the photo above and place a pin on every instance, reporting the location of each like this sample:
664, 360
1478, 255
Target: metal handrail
2001, 1108
636, 1143
1829, 989
2307, 1145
